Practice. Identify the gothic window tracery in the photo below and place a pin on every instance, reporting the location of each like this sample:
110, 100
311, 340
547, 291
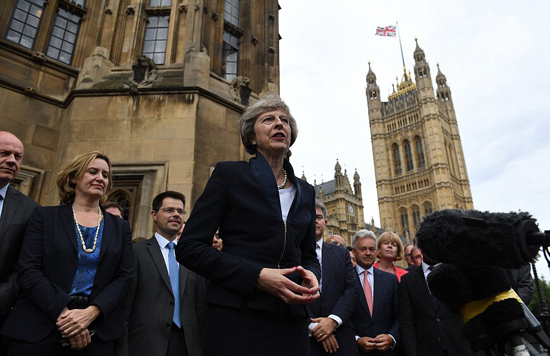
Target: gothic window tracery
408, 155
421, 161
396, 159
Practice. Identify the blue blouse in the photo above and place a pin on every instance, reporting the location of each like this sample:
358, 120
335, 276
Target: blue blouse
86, 267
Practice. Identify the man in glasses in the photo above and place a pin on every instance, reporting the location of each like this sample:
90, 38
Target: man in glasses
163, 295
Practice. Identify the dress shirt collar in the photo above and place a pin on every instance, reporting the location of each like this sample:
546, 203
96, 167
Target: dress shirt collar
3, 191
163, 241
361, 269
319, 244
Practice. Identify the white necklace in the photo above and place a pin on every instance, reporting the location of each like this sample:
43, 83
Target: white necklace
88, 250
284, 181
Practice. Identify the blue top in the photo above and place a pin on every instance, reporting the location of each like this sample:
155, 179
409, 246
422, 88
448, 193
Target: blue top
86, 267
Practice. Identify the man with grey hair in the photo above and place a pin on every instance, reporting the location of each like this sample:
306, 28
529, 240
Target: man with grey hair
375, 318
15, 210
331, 329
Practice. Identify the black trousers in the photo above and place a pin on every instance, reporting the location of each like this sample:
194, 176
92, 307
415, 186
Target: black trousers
244, 331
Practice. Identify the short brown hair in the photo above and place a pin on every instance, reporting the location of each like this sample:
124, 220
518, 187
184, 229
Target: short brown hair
393, 237
74, 170
247, 121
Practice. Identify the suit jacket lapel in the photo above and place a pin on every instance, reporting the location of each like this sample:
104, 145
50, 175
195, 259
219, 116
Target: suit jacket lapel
328, 261
266, 179
67, 218
184, 273
156, 255
380, 282
108, 232
420, 280
8, 211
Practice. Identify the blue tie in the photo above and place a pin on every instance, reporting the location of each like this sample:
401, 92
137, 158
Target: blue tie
174, 271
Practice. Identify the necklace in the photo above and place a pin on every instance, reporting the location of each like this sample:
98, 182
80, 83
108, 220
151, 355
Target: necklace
284, 181
88, 250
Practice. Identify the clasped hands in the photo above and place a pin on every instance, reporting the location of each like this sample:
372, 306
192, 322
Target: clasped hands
380, 343
273, 281
73, 325
324, 333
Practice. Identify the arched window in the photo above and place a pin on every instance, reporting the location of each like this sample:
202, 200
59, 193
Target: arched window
416, 215
428, 208
408, 155
421, 161
396, 159
123, 199
404, 222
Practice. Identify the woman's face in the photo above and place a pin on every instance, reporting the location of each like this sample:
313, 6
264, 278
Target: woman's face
94, 180
272, 132
388, 250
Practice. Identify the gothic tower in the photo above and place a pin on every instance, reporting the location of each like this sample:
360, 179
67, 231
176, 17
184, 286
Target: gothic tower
418, 158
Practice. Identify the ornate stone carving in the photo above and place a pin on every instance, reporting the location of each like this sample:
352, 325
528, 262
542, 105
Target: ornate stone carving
215, 16
240, 90
30, 91
254, 40
130, 10
108, 11
183, 7
39, 57
144, 73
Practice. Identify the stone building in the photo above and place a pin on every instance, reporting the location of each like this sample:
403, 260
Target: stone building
344, 204
418, 156
157, 85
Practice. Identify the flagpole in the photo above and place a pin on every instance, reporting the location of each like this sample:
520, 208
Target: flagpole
400, 46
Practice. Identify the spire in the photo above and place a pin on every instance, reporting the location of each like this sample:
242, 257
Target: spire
304, 177
337, 168
419, 55
440, 78
357, 184
443, 90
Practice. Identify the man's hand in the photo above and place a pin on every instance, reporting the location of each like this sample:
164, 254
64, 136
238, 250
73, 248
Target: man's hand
324, 328
330, 344
366, 344
383, 342
72, 322
81, 340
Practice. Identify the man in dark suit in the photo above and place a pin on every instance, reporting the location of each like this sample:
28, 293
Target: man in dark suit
15, 211
427, 326
164, 310
331, 330
375, 318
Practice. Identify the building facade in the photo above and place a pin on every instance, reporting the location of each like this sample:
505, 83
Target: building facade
344, 204
418, 156
157, 85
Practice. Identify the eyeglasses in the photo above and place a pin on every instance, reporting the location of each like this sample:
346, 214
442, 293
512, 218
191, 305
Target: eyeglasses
172, 210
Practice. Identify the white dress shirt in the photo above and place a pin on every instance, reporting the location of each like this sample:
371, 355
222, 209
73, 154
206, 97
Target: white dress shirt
163, 249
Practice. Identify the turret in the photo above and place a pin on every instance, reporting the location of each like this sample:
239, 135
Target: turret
372, 91
357, 184
338, 174
422, 70
443, 90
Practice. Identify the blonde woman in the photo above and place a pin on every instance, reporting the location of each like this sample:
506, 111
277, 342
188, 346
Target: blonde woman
390, 249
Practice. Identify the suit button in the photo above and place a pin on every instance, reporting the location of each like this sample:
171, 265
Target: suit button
168, 325
171, 303
438, 339
438, 320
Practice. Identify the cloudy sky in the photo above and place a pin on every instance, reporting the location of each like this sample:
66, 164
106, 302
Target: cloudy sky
495, 55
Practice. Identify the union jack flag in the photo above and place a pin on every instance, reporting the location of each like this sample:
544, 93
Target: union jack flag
388, 31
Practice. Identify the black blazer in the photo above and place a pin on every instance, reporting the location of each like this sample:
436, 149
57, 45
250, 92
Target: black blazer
242, 199
427, 327
384, 318
16, 212
47, 266
149, 308
338, 297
